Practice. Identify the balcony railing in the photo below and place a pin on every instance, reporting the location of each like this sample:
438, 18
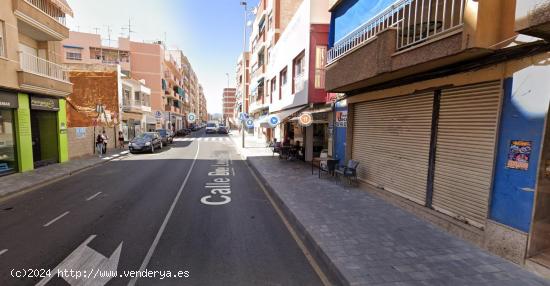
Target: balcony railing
49, 9
415, 20
39, 66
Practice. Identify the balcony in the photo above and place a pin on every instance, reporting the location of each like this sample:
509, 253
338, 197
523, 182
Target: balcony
135, 107
42, 76
42, 19
533, 18
410, 37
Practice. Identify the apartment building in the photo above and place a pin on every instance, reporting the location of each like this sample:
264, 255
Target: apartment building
33, 85
445, 107
295, 78
173, 91
203, 110
272, 17
243, 80
229, 102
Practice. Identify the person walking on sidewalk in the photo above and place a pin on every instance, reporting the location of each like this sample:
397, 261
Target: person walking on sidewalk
121, 139
105, 139
99, 144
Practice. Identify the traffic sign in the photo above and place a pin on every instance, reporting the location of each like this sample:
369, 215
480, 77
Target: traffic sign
249, 123
191, 117
274, 120
158, 114
243, 116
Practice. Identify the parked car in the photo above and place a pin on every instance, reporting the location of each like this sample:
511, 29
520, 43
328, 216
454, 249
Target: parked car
222, 129
211, 127
148, 141
166, 135
183, 132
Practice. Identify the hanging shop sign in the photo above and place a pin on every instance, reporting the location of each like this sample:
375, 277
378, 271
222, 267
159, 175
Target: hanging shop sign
191, 117
518, 155
341, 119
44, 103
274, 120
305, 119
8, 100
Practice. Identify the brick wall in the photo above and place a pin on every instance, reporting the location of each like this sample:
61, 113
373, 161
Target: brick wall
84, 146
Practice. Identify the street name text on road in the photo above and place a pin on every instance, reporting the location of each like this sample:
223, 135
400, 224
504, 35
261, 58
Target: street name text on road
220, 187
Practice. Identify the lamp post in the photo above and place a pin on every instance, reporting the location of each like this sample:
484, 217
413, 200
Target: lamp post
243, 64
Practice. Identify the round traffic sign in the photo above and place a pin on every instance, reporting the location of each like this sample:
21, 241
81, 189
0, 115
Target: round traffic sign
249, 123
158, 114
305, 119
191, 117
274, 120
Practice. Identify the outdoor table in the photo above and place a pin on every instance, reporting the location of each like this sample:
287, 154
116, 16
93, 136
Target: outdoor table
331, 163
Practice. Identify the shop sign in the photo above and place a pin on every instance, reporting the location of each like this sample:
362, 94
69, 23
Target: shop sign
305, 119
80, 132
518, 155
44, 103
8, 100
63, 128
341, 119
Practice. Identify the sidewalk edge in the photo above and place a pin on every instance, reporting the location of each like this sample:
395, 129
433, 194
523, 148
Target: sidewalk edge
49, 181
326, 264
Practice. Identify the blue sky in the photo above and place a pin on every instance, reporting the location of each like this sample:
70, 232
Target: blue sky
208, 32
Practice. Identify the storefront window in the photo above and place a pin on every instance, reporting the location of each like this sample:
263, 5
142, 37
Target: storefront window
8, 160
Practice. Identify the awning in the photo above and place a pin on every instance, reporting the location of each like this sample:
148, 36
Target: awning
286, 113
64, 6
262, 122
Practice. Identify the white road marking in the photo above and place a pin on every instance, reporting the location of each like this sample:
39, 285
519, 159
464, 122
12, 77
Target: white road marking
124, 152
3, 251
93, 196
116, 155
85, 259
107, 158
56, 219
165, 222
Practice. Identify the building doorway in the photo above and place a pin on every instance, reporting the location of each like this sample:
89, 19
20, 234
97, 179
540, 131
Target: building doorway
44, 138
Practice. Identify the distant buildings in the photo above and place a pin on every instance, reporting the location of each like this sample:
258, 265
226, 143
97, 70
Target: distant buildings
229, 106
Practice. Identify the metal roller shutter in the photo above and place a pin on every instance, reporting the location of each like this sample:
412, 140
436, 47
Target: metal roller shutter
391, 140
466, 137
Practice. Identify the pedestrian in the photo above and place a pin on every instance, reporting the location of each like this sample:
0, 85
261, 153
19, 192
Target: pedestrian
105, 139
99, 145
121, 139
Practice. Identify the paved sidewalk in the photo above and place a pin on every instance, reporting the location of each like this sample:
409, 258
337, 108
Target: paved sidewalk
18, 182
364, 240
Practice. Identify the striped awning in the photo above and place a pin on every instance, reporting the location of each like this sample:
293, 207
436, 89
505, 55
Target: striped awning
64, 6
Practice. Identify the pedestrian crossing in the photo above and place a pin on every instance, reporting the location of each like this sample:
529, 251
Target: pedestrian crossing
204, 139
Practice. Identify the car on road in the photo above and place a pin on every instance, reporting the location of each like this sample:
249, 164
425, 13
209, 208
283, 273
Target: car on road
166, 136
222, 129
212, 127
145, 142
183, 132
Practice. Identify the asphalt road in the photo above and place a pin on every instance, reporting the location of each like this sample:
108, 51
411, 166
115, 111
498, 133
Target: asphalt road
192, 214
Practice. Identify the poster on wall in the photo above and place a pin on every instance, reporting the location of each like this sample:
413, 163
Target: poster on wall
518, 155
341, 119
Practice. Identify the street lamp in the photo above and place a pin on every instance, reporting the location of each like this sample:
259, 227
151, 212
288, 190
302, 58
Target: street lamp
243, 64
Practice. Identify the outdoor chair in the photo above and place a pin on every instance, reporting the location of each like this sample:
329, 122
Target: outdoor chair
276, 148
349, 171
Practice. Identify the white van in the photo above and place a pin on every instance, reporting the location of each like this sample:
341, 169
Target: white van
212, 127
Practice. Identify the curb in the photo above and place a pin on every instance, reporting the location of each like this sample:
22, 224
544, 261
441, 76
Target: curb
54, 179
327, 266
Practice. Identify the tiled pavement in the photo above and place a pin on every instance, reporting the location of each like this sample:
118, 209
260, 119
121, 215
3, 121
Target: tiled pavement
14, 183
364, 240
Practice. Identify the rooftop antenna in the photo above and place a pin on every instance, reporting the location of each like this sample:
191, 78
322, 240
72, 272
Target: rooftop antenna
109, 30
96, 30
129, 28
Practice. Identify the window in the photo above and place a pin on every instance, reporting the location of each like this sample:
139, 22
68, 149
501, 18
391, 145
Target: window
320, 63
282, 82
268, 55
126, 96
74, 54
298, 72
261, 58
273, 89
2, 40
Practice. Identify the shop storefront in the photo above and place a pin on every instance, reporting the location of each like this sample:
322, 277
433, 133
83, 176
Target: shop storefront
8, 152
44, 130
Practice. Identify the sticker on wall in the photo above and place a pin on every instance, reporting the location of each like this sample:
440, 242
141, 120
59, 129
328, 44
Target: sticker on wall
305, 119
518, 155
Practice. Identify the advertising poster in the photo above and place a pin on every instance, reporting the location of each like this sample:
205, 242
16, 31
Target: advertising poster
518, 155
341, 119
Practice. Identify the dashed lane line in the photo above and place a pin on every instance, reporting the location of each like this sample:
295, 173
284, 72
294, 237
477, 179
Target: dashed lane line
3, 251
93, 196
56, 219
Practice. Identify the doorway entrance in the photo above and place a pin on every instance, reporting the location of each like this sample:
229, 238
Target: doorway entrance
44, 138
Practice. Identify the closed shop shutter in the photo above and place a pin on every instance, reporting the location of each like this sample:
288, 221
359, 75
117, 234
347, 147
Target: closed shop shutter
391, 140
465, 151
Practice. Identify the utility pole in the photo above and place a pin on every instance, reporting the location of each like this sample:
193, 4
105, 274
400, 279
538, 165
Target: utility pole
129, 28
243, 64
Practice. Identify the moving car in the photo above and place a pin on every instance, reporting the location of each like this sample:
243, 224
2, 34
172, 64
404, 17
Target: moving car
166, 136
222, 129
148, 141
211, 127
